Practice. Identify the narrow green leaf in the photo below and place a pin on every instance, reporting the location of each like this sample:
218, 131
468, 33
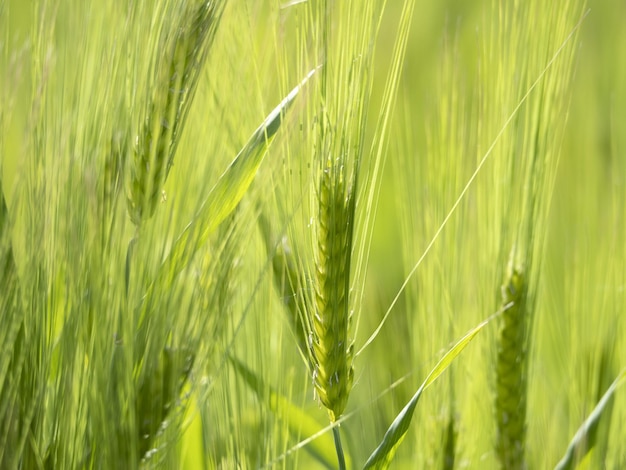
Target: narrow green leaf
384, 453
300, 423
584, 439
225, 195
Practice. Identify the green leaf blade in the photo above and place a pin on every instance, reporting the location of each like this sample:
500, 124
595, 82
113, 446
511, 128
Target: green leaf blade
584, 439
384, 453
226, 194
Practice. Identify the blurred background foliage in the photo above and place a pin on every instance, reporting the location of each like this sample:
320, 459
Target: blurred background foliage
85, 54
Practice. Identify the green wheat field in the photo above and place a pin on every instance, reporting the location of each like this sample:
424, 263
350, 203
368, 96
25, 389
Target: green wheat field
343, 234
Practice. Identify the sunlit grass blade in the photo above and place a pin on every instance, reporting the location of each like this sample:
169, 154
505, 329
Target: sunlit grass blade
384, 453
585, 438
299, 422
226, 194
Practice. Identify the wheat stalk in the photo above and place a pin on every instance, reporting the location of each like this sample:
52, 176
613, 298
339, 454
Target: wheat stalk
331, 349
176, 78
511, 372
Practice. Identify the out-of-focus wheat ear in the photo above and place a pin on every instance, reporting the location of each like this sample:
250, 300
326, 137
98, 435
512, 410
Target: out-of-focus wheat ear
331, 349
511, 371
186, 44
291, 283
288, 279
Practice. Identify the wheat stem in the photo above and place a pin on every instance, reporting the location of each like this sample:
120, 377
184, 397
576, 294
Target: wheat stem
341, 460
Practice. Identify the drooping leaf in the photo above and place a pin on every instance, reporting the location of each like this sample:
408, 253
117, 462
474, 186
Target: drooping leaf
384, 453
585, 438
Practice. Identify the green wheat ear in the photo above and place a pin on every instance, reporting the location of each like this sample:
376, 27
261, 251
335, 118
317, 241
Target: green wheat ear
511, 372
176, 77
331, 349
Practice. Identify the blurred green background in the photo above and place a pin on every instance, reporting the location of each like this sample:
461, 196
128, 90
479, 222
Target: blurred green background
578, 326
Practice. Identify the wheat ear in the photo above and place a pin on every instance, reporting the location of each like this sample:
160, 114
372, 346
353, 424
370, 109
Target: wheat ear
331, 349
176, 77
511, 372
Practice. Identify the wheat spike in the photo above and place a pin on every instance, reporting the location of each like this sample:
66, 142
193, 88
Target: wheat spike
511, 372
176, 78
331, 348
